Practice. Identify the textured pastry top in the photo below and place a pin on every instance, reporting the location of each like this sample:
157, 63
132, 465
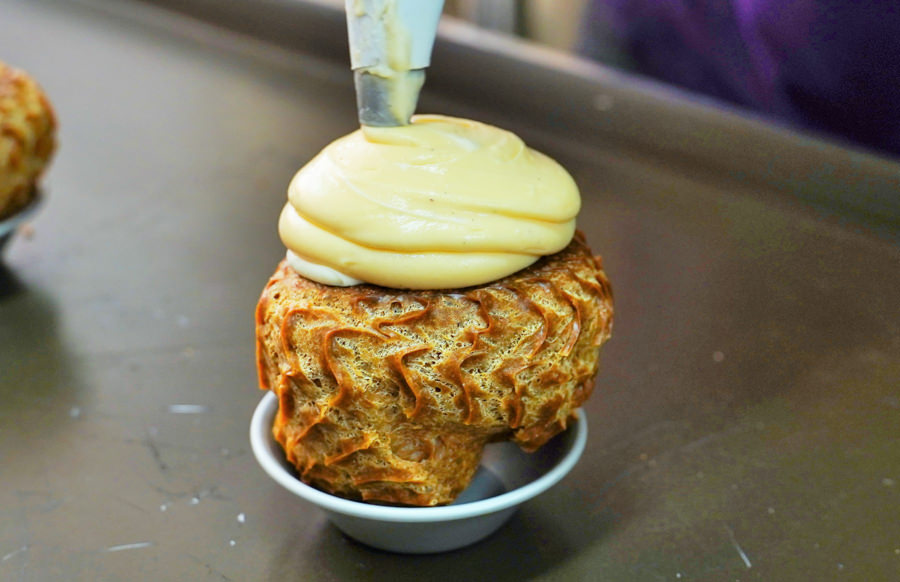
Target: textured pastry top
27, 139
441, 203
389, 395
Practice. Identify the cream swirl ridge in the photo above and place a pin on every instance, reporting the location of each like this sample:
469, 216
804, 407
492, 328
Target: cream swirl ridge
440, 203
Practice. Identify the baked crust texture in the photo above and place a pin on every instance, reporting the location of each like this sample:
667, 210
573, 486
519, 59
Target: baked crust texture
27, 138
390, 395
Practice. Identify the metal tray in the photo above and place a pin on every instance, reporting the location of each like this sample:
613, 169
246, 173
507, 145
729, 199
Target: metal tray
745, 420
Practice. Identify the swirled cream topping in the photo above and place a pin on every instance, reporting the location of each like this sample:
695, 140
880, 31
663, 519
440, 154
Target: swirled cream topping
441, 203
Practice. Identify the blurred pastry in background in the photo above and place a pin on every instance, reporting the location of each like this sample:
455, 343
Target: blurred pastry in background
27, 138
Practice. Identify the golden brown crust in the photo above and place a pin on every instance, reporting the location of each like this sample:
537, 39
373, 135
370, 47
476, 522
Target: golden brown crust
390, 395
27, 138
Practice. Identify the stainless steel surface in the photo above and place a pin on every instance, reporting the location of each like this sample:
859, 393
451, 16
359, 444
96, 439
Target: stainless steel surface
745, 425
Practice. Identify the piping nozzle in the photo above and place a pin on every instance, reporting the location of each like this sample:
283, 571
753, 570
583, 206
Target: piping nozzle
390, 48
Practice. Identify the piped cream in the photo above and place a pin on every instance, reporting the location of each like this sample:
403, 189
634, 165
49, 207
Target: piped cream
440, 203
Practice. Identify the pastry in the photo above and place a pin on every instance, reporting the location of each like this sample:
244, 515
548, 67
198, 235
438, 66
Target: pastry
27, 138
434, 297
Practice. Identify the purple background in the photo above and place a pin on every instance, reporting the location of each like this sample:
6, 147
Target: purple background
829, 66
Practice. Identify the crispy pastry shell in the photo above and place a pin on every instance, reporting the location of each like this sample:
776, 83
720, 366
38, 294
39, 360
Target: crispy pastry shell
390, 395
27, 138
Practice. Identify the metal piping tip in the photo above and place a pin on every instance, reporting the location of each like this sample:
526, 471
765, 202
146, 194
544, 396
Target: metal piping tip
387, 101
390, 47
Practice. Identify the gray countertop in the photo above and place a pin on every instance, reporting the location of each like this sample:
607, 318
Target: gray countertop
745, 423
